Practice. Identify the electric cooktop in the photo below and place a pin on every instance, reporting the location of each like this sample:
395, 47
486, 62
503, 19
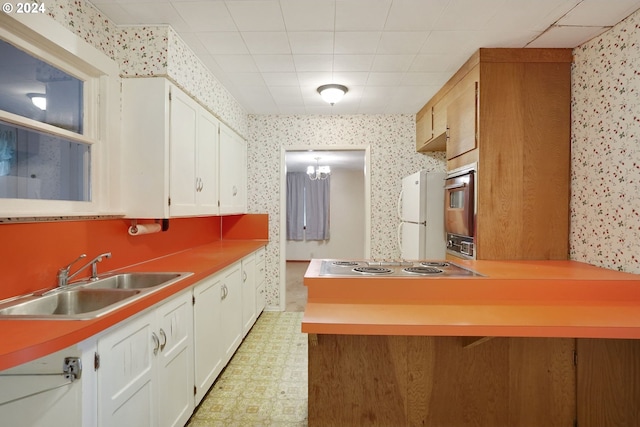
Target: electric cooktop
375, 268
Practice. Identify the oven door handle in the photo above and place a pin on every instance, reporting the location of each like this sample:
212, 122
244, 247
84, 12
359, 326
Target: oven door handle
453, 186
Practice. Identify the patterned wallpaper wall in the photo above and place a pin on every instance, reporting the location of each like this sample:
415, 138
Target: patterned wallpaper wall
393, 156
605, 165
143, 51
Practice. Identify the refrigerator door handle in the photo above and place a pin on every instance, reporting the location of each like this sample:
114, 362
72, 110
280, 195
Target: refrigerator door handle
400, 204
399, 237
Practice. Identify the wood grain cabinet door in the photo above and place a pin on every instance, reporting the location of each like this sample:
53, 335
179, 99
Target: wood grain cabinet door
462, 114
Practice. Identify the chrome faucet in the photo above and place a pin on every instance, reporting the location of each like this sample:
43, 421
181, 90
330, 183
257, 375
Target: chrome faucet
63, 273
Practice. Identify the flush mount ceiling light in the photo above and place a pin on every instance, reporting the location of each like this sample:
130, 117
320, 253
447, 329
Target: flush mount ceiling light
39, 100
332, 93
319, 172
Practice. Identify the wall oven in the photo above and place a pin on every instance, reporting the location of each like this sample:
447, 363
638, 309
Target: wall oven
459, 211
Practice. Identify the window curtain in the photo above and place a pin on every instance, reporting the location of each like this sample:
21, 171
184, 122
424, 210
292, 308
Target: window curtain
295, 205
307, 207
317, 209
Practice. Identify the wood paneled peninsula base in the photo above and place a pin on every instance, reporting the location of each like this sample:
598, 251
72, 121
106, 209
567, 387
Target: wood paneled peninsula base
552, 354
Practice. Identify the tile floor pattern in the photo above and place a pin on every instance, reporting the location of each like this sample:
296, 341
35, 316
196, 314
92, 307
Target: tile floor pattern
265, 383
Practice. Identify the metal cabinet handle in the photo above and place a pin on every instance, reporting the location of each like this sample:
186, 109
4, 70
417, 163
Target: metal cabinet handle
164, 339
224, 292
244, 276
156, 343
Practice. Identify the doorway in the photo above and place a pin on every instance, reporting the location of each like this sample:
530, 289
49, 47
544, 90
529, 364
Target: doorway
350, 214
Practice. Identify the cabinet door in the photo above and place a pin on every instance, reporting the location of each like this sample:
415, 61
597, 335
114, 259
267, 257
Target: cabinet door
207, 327
233, 171
183, 136
462, 122
260, 281
125, 377
175, 361
207, 166
231, 310
248, 293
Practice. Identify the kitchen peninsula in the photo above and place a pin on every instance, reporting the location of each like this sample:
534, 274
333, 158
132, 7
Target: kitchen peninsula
523, 343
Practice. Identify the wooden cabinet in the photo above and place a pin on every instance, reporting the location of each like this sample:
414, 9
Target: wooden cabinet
431, 126
207, 333
233, 172
440, 381
509, 114
261, 274
248, 293
145, 373
170, 155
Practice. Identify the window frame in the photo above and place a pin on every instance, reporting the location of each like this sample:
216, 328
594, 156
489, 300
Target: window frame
44, 38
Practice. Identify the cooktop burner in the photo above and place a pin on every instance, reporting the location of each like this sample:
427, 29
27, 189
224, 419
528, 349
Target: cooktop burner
422, 270
373, 270
394, 268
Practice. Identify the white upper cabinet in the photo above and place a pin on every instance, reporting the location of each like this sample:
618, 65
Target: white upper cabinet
170, 163
233, 172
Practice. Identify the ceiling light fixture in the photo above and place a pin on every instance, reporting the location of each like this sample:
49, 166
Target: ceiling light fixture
39, 100
332, 93
319, 172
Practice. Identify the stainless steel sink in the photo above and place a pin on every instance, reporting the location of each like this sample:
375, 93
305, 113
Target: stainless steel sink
135, 280
88, 299
72, 303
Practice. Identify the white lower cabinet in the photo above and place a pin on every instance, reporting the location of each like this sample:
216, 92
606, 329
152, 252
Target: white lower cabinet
231, 310
248, 293
145, 373
261, 275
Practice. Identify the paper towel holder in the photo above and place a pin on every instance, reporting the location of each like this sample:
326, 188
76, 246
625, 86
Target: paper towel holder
134, 230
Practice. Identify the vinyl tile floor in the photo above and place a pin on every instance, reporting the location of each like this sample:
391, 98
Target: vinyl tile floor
265, 383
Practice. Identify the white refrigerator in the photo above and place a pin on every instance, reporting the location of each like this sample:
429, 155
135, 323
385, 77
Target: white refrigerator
421, 214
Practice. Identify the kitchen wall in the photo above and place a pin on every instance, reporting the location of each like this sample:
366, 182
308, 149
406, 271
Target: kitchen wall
605, 146
393, 156
347, 213
144, 51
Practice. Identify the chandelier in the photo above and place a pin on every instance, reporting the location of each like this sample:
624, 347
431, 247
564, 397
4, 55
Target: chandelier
318, 172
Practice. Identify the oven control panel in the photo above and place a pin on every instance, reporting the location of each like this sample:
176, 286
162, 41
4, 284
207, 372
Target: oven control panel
462, 246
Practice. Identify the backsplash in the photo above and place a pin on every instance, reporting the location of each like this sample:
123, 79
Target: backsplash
605, 146
393, 156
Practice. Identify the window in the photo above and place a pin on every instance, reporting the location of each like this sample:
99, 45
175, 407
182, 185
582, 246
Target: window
59, 122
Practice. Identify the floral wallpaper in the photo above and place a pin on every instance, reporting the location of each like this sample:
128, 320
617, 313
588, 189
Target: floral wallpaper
144, 51
605, 164
393, 156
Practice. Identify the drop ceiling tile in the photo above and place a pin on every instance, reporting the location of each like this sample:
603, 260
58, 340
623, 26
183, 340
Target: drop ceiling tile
266, 42
280, 79
426, 79
414, 15
274, 63
389, 63
356, 42
226, 42
469, 14
117, 13
396, 42
205, 15
308, 15
256, 15
350, 79
194, 43
246, 79
384, 79
286, 95
530, 15
361, 15
566, 36
430, 63
445, 42
236, 63
311, 42
157, 14
315, 79
599, 13
313, 62
352, 62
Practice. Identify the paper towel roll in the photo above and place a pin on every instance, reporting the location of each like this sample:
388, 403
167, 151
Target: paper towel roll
136, 230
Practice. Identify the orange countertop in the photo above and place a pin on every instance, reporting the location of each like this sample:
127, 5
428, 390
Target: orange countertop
514, 298
26, 340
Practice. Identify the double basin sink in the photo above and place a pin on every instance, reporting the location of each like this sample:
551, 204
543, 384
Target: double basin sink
88, 299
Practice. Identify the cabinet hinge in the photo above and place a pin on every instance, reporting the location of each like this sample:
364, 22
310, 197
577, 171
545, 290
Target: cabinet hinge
96, 361
575, 358
169, 201
195, 390
169, 94
193, 299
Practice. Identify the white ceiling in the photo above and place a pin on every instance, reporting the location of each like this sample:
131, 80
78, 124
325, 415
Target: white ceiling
393, 55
